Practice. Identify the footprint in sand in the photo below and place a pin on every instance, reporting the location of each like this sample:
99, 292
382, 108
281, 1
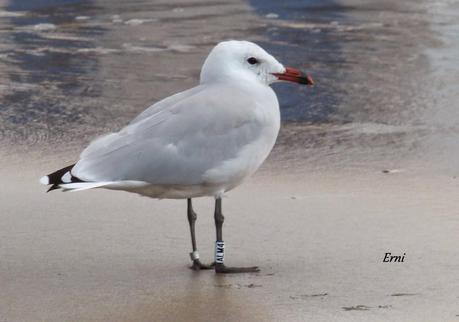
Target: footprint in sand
403, 294
356, 308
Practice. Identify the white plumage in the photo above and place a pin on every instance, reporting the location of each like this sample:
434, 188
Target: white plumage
203, 141
200, 142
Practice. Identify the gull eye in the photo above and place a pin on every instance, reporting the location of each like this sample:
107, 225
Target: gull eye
252, 61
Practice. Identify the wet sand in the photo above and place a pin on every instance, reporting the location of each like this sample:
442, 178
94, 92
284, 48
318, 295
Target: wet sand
319, 239
366, 163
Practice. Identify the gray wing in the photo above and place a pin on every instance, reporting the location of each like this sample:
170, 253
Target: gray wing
176, 143
167, 103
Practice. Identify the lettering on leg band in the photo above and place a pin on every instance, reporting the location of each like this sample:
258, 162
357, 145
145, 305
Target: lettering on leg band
219, 251
194, 255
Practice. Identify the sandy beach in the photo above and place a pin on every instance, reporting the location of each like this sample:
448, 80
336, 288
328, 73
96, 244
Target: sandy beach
365, 164
319, 239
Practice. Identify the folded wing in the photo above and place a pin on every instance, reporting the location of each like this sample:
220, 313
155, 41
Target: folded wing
175, 141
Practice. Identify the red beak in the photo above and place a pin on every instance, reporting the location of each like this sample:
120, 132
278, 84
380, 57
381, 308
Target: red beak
294, 75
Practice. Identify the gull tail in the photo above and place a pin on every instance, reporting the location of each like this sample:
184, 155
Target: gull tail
63, 179
59, 177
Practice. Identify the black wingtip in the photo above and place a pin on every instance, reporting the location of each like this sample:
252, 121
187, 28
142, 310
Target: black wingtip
53, 187
55, 179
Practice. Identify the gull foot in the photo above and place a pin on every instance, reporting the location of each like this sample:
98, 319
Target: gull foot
222, 269
197, 265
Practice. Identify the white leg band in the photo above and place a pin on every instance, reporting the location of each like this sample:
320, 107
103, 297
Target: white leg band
219, 252
194, 255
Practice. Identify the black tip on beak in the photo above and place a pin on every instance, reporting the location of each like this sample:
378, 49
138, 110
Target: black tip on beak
294, 75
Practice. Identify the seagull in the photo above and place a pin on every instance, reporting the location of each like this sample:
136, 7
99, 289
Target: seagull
203, 141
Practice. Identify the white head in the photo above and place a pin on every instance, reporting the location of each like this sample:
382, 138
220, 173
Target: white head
245, 61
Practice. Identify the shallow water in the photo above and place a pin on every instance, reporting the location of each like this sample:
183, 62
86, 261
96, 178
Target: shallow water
79, 69
386, 72
387, 75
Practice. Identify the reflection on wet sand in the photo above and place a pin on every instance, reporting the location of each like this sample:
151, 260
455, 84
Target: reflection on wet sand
193, 302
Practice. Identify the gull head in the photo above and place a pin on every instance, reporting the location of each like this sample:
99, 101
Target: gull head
240, 61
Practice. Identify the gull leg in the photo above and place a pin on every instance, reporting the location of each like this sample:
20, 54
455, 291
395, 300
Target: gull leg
220, 246
197, 265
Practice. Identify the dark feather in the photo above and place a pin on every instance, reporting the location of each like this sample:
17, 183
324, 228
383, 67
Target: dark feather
55, 178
